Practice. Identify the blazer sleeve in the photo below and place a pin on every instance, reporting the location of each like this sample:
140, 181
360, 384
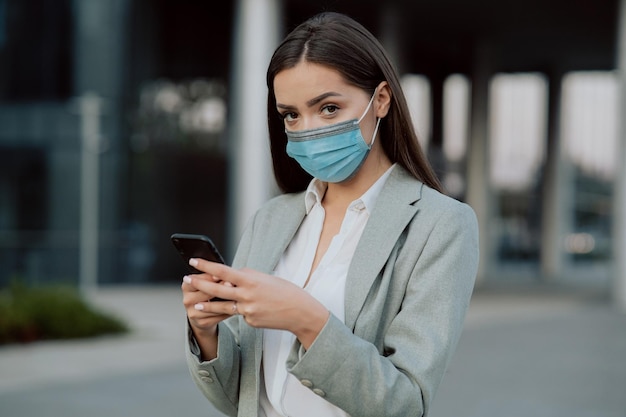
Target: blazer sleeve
219, 379
401, 379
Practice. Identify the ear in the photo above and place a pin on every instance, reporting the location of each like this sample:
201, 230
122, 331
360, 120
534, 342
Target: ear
382, 101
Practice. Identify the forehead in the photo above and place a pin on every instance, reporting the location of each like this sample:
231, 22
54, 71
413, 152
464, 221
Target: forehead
307, 80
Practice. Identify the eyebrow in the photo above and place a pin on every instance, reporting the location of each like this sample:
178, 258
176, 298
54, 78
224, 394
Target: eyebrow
311, 102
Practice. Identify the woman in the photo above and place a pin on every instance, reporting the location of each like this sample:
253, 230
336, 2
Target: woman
349, 290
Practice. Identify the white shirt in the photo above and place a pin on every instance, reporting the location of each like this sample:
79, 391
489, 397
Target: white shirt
282, 395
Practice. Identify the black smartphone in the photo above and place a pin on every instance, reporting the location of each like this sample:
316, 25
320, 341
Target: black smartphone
196, 246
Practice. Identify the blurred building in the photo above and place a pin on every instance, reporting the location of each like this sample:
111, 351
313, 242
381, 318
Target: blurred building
150, 78
124, 121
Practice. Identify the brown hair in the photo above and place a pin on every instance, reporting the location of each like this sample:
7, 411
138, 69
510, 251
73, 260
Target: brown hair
337, 41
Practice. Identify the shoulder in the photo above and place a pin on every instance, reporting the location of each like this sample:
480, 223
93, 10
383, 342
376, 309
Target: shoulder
445, 210
404, 188
284, 200
437, 201
279, 211
443, 218
282, 204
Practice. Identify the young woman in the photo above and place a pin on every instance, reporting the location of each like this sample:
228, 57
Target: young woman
350, 289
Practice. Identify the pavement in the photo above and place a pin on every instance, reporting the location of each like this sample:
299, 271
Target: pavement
529, 351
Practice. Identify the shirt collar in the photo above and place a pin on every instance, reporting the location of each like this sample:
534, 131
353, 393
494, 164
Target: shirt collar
370, 196
316, 190
314, 193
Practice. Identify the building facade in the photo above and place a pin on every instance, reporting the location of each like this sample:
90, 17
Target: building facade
124, 121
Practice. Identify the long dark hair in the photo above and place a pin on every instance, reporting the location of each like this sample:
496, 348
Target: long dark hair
337, 41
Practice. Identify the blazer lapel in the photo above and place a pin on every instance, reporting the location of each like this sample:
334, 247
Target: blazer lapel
274, 235
277, 233
393, 211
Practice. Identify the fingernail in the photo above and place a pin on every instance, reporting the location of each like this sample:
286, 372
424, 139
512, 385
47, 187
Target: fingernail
193, 262
187, 279
199, 306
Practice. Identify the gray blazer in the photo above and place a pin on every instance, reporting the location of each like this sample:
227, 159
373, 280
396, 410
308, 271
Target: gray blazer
407, 292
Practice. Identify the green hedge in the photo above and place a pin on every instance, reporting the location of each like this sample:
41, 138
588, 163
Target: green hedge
41, 313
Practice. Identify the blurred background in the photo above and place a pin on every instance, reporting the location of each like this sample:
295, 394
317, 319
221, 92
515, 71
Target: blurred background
118, 123
124, 121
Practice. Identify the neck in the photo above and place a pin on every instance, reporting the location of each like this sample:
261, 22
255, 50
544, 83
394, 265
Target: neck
347, 191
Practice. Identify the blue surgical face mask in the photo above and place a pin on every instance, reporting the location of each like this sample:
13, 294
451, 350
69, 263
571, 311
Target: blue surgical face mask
332, 153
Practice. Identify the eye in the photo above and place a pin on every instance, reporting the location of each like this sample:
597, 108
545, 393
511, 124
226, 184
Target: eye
329, 109
288, 117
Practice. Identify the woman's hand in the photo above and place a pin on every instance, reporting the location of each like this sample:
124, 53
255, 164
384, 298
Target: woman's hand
194, 301
264, 301
203, 322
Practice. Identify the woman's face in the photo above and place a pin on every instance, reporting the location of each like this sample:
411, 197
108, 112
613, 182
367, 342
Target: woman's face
310, 95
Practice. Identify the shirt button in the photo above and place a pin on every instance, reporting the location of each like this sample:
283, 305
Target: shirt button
319, 392
307, 383
207, 379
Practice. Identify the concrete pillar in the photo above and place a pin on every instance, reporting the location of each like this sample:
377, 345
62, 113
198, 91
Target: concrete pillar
435, 150
619, 213
99, 52
257, 33
557, 199
89, 192
100, 35
390, 35
479, 193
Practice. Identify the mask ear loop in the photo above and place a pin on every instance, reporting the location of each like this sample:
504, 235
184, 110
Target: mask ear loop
377, 119
368, 106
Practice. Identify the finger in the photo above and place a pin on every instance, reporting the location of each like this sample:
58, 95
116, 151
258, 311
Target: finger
217, 307
190, 298
186, 286
212, 289
191, 294
221, 271
202, 320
